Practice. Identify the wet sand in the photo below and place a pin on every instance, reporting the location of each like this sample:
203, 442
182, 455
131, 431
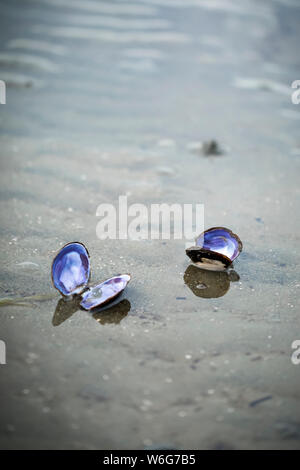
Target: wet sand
104, 100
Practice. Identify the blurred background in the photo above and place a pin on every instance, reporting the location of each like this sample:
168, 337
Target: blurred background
175, 101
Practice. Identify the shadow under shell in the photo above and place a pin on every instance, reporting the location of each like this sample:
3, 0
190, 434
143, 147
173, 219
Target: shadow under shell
65, 309
113, 314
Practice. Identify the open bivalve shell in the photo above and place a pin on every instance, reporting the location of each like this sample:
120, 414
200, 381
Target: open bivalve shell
215, 249
70, 274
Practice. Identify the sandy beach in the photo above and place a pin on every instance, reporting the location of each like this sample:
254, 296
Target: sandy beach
110, 98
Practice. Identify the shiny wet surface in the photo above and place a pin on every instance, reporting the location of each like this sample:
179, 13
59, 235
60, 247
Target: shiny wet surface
108, 98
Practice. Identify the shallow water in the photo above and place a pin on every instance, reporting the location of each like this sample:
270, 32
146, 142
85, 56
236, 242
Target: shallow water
105, 99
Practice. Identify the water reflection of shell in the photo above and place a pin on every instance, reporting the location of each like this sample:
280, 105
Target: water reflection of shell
208, 284
113, 314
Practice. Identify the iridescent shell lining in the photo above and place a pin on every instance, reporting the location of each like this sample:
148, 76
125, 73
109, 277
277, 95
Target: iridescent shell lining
71, 269
104, 292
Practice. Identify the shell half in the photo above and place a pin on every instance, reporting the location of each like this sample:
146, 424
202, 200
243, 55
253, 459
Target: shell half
104, 292
70, 269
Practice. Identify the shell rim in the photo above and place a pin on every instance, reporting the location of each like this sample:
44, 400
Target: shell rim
57, 253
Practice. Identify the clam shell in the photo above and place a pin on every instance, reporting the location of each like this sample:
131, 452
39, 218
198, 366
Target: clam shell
70, 269
104, 292
215, 249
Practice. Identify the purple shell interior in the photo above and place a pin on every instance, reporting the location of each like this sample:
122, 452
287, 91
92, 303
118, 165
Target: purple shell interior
104, 292
71, 269
221, 241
